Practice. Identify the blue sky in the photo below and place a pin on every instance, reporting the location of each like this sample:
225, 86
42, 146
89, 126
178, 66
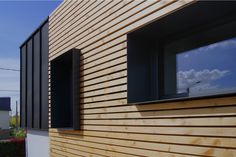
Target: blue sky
18, 20
214, 65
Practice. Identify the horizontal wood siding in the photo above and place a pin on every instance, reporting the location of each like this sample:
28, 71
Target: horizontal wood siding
111, 127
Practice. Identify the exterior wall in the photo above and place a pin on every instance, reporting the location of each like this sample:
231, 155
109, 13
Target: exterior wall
37, 143
34, 79
110, 126
5, 119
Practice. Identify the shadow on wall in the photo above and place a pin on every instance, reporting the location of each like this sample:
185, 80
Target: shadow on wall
188, 108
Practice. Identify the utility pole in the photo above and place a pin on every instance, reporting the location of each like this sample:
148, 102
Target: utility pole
17, 125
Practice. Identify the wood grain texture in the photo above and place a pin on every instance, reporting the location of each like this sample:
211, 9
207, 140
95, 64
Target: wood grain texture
110, 126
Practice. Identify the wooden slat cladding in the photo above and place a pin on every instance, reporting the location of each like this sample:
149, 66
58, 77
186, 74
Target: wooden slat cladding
109, 126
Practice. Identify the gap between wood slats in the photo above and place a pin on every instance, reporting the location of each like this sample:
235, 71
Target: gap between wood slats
107, 84
218, 142
71, 12
104, 97
117, 102
111, 90
111, 57
213, 102
81, 24
56, 155
144, 146
90, 150
62, 14
82, 16
64, 151
103, 79
124, 151
105, 72
102, 56
199, 112
98, 45
184, 131
103, 48
104, 66
73, 23
186, 122
98, 28
136, 108
136, 16
95, 25
59, 9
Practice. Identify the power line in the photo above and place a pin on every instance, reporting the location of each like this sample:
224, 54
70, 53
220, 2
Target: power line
6, 90
9, 69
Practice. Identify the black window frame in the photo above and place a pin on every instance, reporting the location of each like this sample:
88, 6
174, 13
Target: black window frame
154, 88
65, 90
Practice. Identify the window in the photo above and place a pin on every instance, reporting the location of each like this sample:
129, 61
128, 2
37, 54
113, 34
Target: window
184, 54
65, 90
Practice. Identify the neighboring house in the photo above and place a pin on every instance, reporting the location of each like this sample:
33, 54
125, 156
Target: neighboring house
5, 108
132, 78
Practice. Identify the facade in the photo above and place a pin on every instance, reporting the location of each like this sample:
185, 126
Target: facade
5, 108
34, 91
122, 82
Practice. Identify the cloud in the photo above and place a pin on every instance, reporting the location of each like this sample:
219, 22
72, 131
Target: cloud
222, 44
199, 80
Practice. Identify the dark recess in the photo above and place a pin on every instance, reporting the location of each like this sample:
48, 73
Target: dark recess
65, 90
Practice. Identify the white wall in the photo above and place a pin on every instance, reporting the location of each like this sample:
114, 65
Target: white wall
37, 143
4, 119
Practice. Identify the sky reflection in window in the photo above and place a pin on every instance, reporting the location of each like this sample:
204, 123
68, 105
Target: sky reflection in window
207, 70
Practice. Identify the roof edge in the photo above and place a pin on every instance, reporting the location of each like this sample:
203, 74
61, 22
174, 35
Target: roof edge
36, 30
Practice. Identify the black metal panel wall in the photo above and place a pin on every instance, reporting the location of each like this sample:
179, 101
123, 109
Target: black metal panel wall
29, 83
44, 76
36, 76
34, 79
23, 86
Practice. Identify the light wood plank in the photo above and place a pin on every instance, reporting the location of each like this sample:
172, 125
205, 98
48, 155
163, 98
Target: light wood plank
213, 102
99, 22
122, 88
64, 13
199, 131
144, 146
199, 112
104, 97
106, 78
211, 121
107, 71
168, 139
80, 15
133, 151
77, 149
102, 85
74, 23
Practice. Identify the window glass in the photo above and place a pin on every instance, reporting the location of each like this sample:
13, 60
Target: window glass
208, 69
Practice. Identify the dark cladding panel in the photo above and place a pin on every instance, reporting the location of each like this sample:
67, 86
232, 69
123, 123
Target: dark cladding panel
23, 87
36, 81
29, 84
76, 88
44, 76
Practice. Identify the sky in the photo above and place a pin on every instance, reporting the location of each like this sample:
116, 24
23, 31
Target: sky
18, 19
213, 65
